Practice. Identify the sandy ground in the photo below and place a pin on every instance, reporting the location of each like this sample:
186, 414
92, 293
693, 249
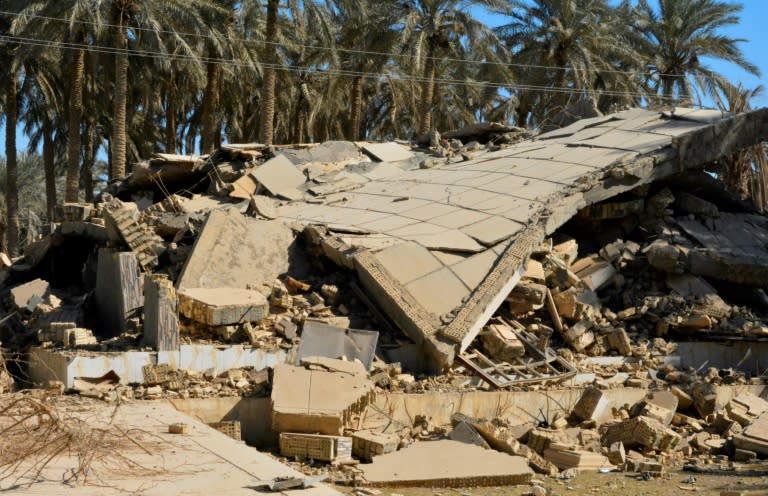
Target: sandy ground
604, 484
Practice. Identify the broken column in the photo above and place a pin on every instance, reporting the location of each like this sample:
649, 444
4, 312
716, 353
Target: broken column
161, 317
118, 289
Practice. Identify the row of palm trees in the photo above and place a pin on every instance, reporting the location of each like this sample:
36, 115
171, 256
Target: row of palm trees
132, 77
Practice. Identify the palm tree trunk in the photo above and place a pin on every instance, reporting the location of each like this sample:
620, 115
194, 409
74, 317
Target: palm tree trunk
90, 158
170, 116
427, 94
118, 138
50, 172
12, 171
73, 138
270, 76
210, 102
355, 114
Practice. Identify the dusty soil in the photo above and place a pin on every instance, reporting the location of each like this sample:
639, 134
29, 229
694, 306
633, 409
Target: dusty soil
605, 484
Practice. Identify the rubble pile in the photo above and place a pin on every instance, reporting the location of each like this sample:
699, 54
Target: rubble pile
327, 277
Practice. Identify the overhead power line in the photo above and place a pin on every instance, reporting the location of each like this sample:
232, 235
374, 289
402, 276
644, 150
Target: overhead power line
337, 49
30, 41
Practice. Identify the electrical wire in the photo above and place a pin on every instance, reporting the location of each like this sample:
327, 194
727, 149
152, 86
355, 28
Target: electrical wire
336, 49
310, 70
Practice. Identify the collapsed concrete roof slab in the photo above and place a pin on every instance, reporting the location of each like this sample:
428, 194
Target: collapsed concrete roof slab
513, 196
234, 251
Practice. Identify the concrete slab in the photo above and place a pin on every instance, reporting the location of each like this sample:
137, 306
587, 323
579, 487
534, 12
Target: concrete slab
318, 401
222, 306
387, 152
201, 462
30, 293
237, 251
279, 176
407, 262
450, 464
492, 230
439, 292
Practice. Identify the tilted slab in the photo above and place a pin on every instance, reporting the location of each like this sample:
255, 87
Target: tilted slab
506, 202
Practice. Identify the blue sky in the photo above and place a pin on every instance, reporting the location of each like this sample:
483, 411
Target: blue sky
752, 28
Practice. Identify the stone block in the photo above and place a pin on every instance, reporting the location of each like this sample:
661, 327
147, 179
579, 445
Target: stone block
367, 444
118, 292
619, 341
316, 446
502, 343
641, 431
593, 405
222, 306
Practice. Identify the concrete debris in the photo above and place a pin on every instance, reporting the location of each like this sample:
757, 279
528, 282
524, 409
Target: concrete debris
321, 397
451, 464
327, 277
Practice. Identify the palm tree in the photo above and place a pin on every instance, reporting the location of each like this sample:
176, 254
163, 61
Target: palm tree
159, 24
76, 22
267, 105
433, 29
365, 30
677, 37
567, 50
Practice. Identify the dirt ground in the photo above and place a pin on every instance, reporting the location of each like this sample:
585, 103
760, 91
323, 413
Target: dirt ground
606, 484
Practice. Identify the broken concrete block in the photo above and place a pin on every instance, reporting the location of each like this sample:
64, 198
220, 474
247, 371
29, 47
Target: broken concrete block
222, 306
367, 444
619, 341
684, 400
526, 297
29, 295
566, 459
697, 322
658, 413
616, 454
502, 343
80, 337
566, 250
118, 291
286, 328
280, 177
746, 408
74, 212
178, 428
451, 464
593, 405
506, 440
534, 271
322, 399
235, 251
465, 433
576, 304
665, 257
161, 316
641, 431
579, 336
316, 447
597, 275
